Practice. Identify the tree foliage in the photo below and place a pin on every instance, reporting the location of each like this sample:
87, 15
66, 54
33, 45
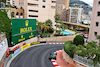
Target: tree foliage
78, 40
57, 17
80, 50
3, 1
48, 23
5, 24
69, 48
39, 26
91, 51
98, 37
44, 27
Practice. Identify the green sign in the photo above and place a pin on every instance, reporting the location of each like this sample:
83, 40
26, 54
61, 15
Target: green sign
23, 29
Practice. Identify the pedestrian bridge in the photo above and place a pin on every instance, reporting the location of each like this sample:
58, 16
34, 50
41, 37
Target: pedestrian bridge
77, 25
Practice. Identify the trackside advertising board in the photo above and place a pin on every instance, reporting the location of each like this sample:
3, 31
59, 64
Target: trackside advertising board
25, 46
23, 29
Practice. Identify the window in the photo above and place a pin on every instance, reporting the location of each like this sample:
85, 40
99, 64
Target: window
17, 13
12, 14
33, 10
53, 1
33, 5
44, 0
53, 7
97, 23
95, 33
98, 13
21, 14
43, 6
33, 16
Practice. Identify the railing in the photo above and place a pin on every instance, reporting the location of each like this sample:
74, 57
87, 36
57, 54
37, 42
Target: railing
84, 61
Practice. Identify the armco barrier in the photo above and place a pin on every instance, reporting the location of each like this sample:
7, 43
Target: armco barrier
19, 49
25, 46
7, 61
38, 42
35, 43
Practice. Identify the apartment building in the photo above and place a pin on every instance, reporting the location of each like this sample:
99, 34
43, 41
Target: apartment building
2, 4
95, 21
10, 2
61, 6
74, 15
40, 10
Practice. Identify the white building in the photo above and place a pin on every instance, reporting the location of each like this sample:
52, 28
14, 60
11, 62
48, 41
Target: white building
74, 15
10, 2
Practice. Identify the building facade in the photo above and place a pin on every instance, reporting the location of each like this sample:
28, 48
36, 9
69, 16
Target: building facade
10, 2
16, 13
95, 21
40, 10
2, 4
74, 15
61, 6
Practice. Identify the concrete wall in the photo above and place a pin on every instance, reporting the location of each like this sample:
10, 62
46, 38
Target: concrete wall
69, 60
2, 37
3, 59
60, 38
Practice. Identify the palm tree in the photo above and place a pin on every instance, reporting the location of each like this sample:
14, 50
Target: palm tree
57, 17
98, 37
48, 23
39, 26
64, 26
44, 27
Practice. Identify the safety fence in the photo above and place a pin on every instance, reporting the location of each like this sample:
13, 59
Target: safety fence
85, 61
18, 49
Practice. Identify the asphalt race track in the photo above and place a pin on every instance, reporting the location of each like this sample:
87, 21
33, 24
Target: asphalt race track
35, 56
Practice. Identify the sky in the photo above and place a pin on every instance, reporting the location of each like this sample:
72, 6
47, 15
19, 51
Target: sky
90, 2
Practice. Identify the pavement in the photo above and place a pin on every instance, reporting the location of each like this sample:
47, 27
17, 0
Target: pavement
37, 56
60, 61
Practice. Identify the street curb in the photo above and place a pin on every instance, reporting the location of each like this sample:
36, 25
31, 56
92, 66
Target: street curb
54, 61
